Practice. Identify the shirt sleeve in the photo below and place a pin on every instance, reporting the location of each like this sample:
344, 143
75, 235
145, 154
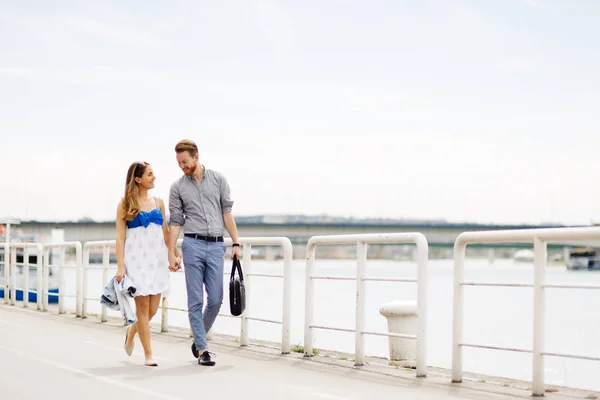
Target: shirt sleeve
226, 202
175, 206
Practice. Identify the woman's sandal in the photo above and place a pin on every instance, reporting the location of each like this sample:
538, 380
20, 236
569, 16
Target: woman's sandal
128, 349
150, 362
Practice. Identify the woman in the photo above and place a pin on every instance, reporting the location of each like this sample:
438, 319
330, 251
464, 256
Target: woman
141, 251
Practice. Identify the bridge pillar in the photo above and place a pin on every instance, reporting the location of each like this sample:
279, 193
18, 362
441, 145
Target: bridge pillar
58, 235
491, 256
270, 253
566, 255
299, 251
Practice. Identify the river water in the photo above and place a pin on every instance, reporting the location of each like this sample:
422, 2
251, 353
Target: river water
493, 315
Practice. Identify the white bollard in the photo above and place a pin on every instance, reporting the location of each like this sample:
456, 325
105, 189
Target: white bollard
401, 318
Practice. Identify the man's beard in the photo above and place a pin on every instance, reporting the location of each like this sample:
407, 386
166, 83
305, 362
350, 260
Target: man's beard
191, 169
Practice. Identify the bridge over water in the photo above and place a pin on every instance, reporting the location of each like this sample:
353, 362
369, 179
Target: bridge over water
440, 235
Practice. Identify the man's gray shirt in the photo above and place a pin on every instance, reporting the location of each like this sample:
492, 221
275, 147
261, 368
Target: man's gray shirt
199, 207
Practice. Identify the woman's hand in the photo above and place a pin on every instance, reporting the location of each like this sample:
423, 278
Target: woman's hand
120, 273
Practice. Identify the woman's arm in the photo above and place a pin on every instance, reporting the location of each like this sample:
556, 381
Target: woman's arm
120, 245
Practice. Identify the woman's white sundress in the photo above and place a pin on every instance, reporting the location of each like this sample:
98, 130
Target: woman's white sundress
145, 254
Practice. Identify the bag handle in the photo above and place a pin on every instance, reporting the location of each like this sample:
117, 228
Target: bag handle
236, 265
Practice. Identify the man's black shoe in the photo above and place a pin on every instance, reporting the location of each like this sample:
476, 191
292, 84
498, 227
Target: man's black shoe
205, 359
194, 350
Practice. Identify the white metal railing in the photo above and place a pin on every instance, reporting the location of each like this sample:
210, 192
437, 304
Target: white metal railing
6, 270
539, 237
6, 246
105, 245
26, 247
247, 243
62, 247
361, 241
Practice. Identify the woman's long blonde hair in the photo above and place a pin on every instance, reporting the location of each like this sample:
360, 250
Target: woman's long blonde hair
129, 205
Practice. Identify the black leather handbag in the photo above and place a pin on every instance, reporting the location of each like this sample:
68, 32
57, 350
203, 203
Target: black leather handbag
237, 290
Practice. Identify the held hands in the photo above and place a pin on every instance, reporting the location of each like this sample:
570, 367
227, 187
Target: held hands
174, 261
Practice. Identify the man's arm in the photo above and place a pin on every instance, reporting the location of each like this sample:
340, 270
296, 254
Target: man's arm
231, 226
172, 241
228, 220
176, 221
232, 229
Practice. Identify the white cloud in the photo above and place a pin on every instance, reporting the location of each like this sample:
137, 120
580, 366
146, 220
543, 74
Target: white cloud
518, 65
276, 25
460, 121
137, 38
548, 3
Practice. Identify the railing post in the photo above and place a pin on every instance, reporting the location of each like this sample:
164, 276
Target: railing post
61, 281
457, 324
539, 315
40, 277
164, 315
422, 297
45, 279
78, 277
84, 280
25, 276
13, 276
247, 263
105, 264
287, 297
309, 300
361, 263
7, 264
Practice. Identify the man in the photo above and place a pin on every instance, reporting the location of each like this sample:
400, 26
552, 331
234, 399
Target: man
200, 202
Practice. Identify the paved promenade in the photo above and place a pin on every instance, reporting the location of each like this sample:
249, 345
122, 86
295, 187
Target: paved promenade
46, 356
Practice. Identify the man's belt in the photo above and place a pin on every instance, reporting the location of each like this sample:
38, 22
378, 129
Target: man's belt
205, 238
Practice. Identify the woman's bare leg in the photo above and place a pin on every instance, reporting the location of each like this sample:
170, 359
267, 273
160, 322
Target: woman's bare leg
152, 309
131, 332
154, 302
142, 304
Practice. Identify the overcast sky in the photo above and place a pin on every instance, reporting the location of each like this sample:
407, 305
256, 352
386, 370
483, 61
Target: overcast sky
482, 111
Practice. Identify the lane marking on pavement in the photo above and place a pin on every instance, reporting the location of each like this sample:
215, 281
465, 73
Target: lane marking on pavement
10, 323
125, 385
122, 350
330, 396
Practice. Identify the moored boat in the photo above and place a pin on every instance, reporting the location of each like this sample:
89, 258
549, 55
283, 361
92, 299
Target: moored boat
585, 258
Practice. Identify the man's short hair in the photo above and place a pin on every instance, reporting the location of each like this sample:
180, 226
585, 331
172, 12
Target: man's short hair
186, 145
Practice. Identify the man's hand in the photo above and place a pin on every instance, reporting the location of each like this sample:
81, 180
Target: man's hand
174, 262
236, 252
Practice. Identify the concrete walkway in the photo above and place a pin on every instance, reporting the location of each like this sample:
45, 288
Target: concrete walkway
43, 355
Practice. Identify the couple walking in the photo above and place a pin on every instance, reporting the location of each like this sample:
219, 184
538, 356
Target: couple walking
146, 245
